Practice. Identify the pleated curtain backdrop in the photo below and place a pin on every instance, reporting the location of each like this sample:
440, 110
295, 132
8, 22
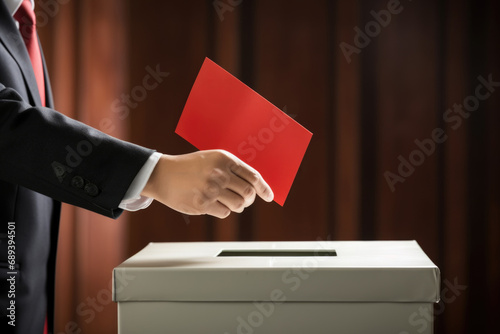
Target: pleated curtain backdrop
375, 81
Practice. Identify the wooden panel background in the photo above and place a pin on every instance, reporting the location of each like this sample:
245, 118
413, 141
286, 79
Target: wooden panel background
365, 114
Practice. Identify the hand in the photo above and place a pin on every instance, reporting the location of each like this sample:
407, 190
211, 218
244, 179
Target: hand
211, 182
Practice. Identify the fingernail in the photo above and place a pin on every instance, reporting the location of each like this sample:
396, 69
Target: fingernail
270, 196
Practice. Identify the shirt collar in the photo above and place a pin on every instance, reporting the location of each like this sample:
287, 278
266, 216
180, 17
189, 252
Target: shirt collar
13, 5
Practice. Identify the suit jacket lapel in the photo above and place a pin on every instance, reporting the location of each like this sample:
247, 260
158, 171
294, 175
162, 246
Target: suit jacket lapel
13, 42
49, 102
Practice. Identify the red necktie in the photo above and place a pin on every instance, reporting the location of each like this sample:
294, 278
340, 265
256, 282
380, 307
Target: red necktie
27, 21
27, 27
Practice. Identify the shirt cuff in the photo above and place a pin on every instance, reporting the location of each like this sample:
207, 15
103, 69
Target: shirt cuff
133, 201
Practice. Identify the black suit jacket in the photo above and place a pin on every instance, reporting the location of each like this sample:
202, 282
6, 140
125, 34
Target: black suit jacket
45, 158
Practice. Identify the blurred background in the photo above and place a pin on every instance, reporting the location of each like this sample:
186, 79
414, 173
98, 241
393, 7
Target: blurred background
370, 86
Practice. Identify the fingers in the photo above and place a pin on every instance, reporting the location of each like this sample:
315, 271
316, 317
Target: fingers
218, 210
232, 201
230, 190
254, 178
217, 197
207, 202
231, 186
227, 201
244, 190
225, 192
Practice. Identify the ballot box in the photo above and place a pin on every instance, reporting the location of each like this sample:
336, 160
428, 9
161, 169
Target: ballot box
364, 287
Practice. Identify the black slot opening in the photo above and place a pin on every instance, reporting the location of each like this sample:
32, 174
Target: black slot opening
278, 252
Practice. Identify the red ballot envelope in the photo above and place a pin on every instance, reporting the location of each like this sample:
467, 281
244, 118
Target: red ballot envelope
223, 113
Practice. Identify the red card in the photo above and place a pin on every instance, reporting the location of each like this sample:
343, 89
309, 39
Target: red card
223, 113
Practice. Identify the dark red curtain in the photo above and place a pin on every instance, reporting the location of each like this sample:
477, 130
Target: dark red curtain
405, 145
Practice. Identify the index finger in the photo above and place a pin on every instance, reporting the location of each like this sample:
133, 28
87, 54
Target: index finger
253, 177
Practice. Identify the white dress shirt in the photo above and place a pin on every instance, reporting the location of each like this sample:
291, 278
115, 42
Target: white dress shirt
132, 201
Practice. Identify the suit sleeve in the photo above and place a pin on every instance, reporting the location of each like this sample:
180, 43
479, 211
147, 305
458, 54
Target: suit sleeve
62, 158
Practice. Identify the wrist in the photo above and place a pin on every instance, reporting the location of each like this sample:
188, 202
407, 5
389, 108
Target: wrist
151, 187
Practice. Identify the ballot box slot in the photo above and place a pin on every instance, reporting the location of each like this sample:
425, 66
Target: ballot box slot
276, 252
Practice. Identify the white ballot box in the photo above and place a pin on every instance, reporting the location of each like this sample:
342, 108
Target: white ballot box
386, 287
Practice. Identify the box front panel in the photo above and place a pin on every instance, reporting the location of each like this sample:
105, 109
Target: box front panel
274, 317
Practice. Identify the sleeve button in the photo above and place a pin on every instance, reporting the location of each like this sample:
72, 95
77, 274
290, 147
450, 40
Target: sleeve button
91, 189
77, 182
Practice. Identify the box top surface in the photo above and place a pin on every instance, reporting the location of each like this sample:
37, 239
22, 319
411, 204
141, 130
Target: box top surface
306, 270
